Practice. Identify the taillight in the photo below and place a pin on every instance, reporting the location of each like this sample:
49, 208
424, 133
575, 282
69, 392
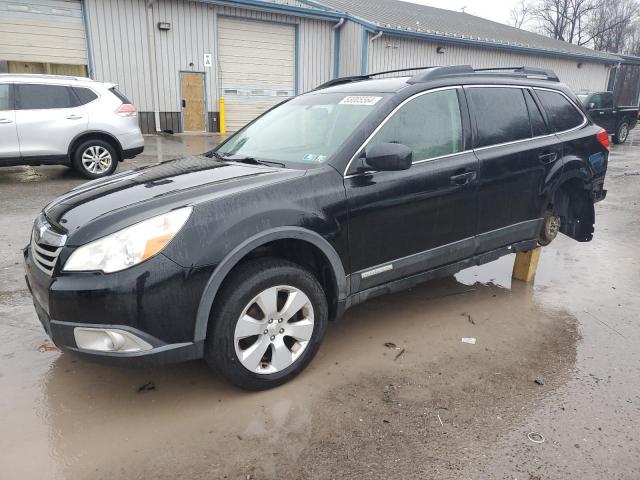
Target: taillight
126, 110
603, 137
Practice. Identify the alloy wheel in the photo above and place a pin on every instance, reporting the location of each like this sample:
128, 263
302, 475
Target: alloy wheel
274, 329
96, 159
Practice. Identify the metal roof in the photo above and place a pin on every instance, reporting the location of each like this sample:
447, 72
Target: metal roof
404, 18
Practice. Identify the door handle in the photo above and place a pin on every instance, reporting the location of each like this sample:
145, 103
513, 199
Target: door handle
601, 113
5, 120
463, 178
74, 117
184, 103
548, 157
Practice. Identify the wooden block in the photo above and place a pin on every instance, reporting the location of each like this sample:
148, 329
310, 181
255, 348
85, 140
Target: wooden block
526, 264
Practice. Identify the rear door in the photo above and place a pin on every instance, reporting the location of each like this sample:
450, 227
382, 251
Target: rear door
513, 164
9, 148
405, 222
48, 119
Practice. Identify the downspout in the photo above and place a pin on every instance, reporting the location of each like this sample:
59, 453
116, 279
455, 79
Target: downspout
376, 36
151, 47
336, 47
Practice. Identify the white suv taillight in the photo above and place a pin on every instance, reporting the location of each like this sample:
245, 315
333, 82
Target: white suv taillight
126, 110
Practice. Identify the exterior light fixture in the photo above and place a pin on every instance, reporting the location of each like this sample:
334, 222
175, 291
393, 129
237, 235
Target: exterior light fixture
440, 50
164, 26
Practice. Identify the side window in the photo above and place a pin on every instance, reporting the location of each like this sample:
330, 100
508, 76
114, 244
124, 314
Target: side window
562, 114
430, 125
538, 126
607, 100
501, 115
40, 97
5, 103
84, 95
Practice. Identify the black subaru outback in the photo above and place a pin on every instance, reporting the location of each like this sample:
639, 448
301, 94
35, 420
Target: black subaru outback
359, 188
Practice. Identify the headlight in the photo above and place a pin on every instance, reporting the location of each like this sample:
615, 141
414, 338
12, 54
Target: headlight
130, 245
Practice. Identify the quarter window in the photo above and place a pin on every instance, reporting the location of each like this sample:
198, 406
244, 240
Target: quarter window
430, 125
84, 95
39, 97
4, 97
501, 115
562, 114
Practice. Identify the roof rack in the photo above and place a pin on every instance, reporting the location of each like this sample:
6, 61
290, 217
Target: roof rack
357, 78
435, 71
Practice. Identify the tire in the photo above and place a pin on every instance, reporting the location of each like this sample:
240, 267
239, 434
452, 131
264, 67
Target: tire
622, 133
550, 229
90, 152
237, 313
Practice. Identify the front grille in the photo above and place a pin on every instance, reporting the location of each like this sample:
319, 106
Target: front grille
46, 245
44, 256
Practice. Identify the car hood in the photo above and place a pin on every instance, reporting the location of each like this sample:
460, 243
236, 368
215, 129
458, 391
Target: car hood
103, 206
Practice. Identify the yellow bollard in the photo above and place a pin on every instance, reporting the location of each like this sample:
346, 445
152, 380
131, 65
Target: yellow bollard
223, 119
526, 264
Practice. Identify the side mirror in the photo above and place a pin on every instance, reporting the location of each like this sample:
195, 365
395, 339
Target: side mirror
388, 156
591, 106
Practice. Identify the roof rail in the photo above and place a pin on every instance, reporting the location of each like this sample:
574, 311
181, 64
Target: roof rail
356, 78
435, 71
547, 73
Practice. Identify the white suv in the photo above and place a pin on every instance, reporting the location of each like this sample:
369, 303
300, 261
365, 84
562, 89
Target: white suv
47, 119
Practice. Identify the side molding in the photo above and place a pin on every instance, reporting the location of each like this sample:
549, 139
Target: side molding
232, 259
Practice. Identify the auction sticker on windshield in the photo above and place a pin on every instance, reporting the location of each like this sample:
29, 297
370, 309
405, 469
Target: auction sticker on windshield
360, 100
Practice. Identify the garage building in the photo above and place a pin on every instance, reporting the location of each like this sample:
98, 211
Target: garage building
175, 59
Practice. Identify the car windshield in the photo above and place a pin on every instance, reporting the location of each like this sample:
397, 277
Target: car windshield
305, 131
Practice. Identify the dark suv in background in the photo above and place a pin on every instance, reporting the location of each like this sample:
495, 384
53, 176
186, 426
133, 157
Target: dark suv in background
359, 188
617, 120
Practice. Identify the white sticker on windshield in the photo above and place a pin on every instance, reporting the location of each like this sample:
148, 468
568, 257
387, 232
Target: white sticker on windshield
359, 100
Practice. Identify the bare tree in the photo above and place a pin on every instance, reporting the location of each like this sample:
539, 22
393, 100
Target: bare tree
520, 14
607, 25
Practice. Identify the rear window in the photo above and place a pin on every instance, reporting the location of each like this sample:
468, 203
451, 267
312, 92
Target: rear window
562, 114
41, 97
84, 95
501, 115
119, 94
4, 97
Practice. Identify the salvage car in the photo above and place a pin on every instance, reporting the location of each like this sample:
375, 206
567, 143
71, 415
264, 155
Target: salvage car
87, 125
362, 187
617, 120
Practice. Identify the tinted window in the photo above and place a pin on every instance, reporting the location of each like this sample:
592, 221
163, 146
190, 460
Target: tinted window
84, 95
430, 125
119, 94
562, 114
36, 97
602, 100
538, 126
501, 115
4, 97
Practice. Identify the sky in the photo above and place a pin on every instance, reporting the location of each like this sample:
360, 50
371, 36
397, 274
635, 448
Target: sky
496, 10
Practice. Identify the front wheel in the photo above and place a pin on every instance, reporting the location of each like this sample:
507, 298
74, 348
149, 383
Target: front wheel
622, 133
267, 324
95, 159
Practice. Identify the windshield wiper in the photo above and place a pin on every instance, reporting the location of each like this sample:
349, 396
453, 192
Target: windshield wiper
215, 154
255, 161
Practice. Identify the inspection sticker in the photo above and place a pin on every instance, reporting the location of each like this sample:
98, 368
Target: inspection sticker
360, 100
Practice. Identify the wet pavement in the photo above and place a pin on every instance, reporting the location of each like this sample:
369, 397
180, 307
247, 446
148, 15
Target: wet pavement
429, 407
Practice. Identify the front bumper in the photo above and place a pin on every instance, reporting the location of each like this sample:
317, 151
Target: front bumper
141, 301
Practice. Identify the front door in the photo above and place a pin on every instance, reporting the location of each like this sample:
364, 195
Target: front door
9, 148
601, 109
406, 222
193, 102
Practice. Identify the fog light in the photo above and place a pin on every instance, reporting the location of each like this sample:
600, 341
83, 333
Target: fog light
109, 340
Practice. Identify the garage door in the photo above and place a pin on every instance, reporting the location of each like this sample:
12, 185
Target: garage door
46, 32
257, 66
